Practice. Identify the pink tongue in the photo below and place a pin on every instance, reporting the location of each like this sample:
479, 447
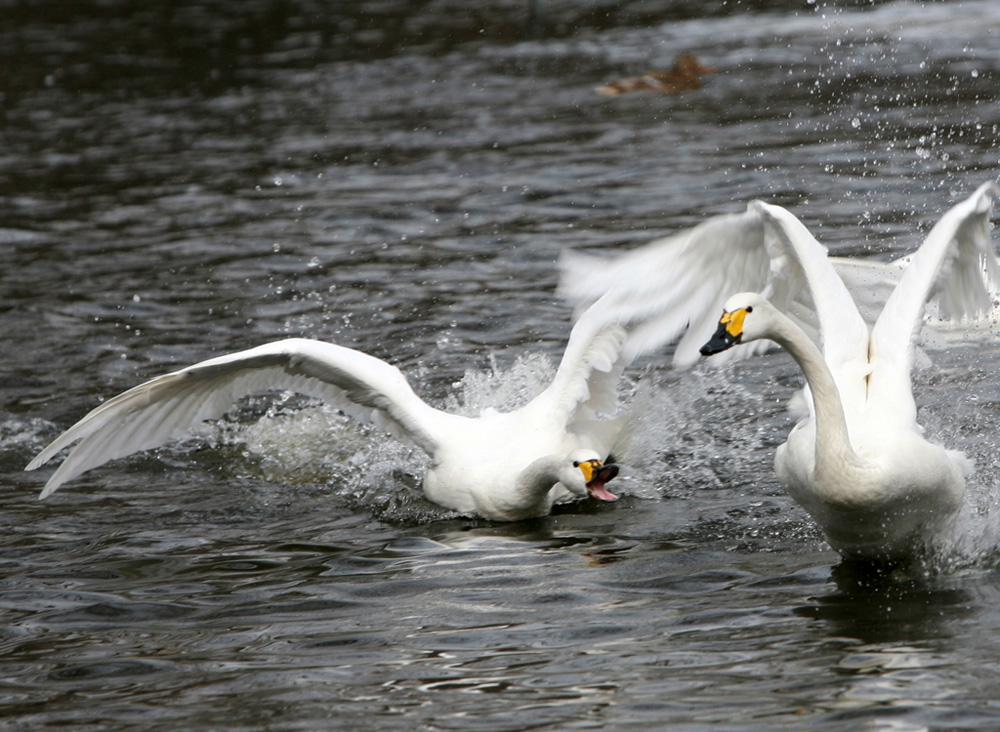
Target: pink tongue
597, 490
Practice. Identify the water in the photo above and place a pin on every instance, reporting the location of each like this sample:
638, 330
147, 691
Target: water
400, 177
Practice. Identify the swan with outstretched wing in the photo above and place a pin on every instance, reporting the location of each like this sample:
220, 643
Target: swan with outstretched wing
504, 466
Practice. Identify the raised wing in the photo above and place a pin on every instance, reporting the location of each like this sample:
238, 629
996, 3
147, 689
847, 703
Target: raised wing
584, 391
153, 413
955, 264
674, 288
842, 331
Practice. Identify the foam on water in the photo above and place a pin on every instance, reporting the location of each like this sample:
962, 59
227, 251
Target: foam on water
971, 538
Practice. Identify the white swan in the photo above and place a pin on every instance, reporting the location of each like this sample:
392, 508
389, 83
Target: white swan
857, 461
501, 466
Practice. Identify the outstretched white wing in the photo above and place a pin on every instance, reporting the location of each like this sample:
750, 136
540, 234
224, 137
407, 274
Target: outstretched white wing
843, 333
153, 413
956, 266
674, 288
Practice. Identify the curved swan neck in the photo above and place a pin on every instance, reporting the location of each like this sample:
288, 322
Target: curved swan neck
536, 480
833, 441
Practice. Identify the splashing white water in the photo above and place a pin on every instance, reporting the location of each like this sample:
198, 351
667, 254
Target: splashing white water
685, 432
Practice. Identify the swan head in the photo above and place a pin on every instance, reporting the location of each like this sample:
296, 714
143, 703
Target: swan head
742, 321
585, 474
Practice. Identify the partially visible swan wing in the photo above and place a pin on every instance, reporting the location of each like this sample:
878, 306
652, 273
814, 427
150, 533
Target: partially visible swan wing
843, 332
151, 414
674, 284
949, 265
585, 387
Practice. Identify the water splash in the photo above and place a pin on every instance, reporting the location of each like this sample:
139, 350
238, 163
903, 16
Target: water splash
966, 419
691, 431
20, 440
502, 389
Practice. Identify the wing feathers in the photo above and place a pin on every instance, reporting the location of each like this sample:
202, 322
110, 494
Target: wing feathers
153, 413
665, 287
954, 263
586, 382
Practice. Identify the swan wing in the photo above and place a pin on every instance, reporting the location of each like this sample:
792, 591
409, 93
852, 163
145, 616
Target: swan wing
584, 391
152, 413
675, 287
843, 333
949, 265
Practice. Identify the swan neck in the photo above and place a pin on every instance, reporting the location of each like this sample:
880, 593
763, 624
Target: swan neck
536, 480
833, 441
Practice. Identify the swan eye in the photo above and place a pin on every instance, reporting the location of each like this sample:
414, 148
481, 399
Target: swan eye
576, 463
749, 308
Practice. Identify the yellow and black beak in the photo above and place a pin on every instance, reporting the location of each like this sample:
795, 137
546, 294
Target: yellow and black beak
729, 333
597, 475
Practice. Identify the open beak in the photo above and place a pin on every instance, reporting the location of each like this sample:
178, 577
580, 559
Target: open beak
598, 475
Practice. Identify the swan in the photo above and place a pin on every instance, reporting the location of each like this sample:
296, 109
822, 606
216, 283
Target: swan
856, 460
500, 466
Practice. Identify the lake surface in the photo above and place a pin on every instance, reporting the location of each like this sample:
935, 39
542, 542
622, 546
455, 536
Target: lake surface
400, 177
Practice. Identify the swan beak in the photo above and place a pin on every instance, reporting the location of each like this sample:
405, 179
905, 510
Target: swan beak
729, 333
597, 475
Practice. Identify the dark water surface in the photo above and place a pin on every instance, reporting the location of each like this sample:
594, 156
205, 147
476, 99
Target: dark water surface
182, 181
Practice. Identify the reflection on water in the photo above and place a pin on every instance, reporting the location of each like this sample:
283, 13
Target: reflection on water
187, 179
883, 606
901, 632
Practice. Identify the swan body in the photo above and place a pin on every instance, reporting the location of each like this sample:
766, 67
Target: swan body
860, 468
856, 460
501, 466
